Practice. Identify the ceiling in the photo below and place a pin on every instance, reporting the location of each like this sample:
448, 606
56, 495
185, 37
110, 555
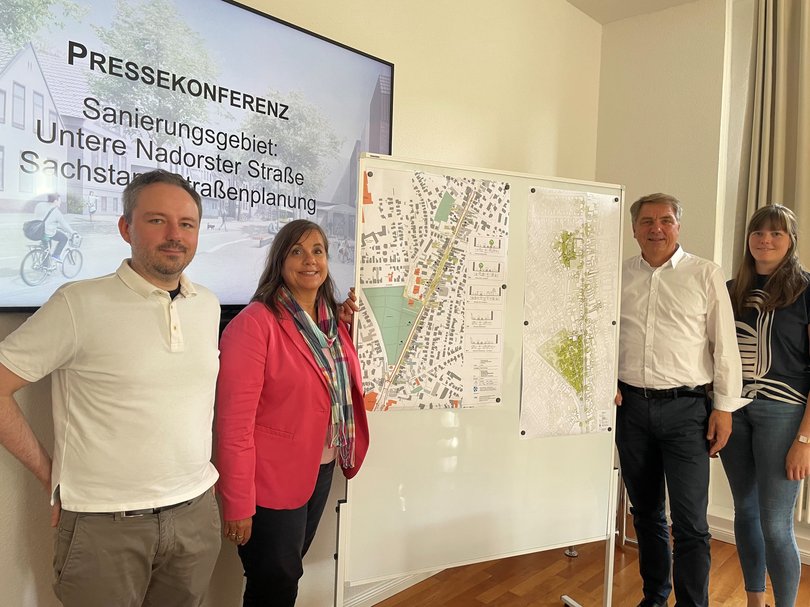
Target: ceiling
605, 11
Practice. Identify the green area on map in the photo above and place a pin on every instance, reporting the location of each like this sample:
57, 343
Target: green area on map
566, 246
395, 315
566, 353
444, 208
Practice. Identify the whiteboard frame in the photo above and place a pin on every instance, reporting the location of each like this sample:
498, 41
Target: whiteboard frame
444, 488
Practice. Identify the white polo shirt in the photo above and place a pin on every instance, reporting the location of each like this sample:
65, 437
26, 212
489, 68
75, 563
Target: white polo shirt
133, 384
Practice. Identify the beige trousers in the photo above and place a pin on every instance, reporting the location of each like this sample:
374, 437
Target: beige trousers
150, 560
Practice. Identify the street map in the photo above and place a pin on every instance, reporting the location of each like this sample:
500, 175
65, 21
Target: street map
432, 289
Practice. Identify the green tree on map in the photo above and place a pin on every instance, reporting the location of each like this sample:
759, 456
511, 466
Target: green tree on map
154, 34
21, 20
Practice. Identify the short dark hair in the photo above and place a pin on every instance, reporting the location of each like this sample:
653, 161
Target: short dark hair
53, 196
272, 280
673, 202
157, 176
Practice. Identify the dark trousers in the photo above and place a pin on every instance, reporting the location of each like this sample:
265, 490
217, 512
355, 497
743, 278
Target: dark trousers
273, 558
61, 240
663, 440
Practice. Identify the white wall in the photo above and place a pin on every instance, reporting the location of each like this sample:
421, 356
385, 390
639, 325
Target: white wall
26, 540
740, 100
659, 112
507, 85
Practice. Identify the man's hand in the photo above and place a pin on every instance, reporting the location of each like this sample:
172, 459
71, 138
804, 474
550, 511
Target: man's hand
719, 431
618, 398
348, 308
56, 511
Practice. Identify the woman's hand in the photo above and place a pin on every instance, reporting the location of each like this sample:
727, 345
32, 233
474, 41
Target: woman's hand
348, 308
238, 532
797, 462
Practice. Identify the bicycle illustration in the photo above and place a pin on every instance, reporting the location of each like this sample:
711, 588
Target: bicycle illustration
38, 264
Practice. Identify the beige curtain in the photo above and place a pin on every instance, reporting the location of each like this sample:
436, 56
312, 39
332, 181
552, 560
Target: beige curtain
779, 169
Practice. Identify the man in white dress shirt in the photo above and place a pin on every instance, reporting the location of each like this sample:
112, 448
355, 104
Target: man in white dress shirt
677, 343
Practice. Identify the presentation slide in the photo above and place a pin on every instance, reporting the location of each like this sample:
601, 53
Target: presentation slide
265, 120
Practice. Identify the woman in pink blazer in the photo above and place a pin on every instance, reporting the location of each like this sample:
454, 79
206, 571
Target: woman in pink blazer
289, 405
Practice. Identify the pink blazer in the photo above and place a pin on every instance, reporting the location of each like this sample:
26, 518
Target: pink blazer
272, 413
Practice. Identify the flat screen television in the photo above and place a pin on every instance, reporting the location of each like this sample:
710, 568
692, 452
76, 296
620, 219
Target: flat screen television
267, 121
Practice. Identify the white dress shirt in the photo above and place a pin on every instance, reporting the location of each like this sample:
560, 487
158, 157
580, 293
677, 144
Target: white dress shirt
677, 328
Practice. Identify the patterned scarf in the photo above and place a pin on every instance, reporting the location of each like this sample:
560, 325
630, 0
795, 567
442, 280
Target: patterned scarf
318, 336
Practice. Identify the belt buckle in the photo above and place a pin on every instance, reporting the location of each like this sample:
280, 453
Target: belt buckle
137, 513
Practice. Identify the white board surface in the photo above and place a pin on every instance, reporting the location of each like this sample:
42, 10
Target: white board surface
445, 487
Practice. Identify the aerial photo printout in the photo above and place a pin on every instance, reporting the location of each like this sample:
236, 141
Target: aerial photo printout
432, 278
570, 313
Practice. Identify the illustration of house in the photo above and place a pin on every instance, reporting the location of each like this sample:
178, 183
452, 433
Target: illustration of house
25, 99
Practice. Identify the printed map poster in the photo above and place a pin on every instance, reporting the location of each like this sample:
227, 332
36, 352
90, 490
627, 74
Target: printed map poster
570, 313
432, 278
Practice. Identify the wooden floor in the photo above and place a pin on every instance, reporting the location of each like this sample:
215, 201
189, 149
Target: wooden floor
538, 580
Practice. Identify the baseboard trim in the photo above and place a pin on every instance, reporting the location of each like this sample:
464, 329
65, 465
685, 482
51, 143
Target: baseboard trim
380, 591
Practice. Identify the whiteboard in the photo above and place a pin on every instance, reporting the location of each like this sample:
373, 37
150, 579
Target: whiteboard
446, 487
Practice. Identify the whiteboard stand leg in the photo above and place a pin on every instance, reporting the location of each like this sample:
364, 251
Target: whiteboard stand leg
610, 549
340, 554
610, 546
571, 553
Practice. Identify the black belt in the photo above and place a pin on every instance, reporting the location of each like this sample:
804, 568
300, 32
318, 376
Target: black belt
678, 392
144, 511
158, 510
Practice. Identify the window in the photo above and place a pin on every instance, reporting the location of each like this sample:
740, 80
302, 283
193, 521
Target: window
26, 182
2, 168
38, 106
2, 106
18, 106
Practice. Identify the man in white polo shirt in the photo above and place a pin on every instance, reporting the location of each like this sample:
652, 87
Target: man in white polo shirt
133, 360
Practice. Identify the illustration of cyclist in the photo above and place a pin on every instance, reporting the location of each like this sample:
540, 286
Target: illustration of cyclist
57, 227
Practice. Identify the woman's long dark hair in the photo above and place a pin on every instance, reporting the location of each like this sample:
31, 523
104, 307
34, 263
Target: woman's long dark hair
788, 281
272, 280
